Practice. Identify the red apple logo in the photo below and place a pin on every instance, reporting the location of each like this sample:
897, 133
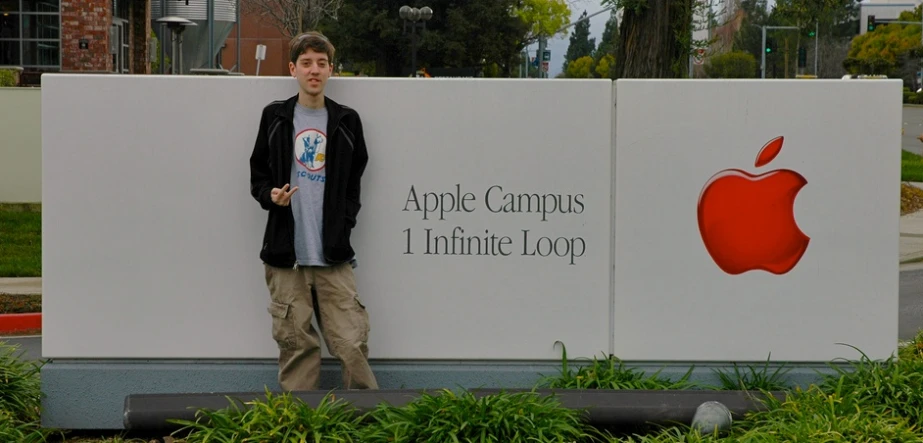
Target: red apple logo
747, 221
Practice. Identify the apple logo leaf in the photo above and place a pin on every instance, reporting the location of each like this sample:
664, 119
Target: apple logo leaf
769, 152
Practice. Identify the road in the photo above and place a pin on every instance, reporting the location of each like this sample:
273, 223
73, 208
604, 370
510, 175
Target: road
913, 128
910, 319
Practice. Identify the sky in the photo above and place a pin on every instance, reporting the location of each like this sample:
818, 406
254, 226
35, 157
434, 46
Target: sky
558, 46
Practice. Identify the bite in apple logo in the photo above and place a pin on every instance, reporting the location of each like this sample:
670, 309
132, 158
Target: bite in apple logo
747, 221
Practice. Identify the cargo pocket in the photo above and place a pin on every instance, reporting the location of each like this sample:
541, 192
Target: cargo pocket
283, 326
363, 320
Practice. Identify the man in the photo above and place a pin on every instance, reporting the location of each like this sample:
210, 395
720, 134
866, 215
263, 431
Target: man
305, 170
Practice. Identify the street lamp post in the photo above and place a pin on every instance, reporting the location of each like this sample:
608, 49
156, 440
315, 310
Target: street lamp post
415, 15
176, 25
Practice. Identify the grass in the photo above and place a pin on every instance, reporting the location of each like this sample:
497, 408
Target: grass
20, 398
911, 167
20, 243
753, 379
610, 373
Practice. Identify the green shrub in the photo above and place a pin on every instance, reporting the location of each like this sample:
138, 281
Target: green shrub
20, 398
610, 373
736, 64
752, 379
7, 79
13, 430
20, 390
912, 350
892, 388
817, 416
500, 418
280, 418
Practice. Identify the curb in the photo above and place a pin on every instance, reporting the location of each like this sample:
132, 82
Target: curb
20, 322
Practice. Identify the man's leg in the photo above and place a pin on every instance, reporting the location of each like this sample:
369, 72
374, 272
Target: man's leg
345, 324
291, 308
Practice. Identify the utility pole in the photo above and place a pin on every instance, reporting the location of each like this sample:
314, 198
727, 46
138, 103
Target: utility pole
540, 56
816, 45
763, 64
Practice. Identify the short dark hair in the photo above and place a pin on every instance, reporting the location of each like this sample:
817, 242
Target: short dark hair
311, 40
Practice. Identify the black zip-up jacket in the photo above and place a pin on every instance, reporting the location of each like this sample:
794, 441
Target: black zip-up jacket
271, 167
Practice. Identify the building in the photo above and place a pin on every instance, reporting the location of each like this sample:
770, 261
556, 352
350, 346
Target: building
255, 31
75, 36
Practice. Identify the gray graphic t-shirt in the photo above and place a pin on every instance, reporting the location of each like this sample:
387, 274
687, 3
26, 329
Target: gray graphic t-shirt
309, 174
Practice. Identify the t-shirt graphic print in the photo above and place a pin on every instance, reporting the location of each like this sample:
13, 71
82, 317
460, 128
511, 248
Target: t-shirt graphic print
309, 174
313, 152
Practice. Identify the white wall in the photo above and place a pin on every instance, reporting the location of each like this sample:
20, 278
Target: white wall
20, 145
151, 239
668, 288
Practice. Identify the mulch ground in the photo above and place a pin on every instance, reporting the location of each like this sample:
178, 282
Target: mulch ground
911, 199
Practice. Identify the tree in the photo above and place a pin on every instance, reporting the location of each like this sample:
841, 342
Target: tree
543, 17
836, 21
605, 66
580, 68
292, 17
808, 15
737, 64
471, 34
750, 37
608, 42
580, 42
885, 51
654, 38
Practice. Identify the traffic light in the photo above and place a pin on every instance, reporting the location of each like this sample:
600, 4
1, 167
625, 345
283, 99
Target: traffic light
802, 57
871, 26
769, 45
811, 33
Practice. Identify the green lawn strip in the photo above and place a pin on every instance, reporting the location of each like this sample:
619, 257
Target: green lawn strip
911, 167
20, 243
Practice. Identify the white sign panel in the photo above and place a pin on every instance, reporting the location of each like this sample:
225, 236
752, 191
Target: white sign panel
756, 218
484, 232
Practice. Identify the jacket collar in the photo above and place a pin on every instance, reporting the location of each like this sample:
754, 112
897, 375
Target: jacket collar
334, 110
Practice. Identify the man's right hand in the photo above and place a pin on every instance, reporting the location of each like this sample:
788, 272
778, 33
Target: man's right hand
283, 196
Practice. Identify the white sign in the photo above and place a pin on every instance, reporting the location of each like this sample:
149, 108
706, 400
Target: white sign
756, 218
484, 233
261, 52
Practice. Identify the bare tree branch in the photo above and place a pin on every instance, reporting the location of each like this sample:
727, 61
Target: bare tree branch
292, 17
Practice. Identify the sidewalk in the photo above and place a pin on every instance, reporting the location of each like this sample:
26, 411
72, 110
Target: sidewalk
911, 243
21, 286
911, 229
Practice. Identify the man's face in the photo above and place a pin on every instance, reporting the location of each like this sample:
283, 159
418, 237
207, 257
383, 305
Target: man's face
312, 71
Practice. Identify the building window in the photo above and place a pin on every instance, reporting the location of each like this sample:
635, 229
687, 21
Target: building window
30, 34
